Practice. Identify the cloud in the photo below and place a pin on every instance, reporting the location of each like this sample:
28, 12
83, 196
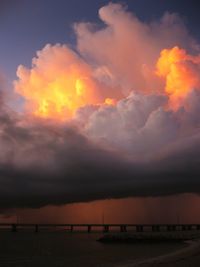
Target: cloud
128, 47
46, 163
58, 83
98, 122
181, 72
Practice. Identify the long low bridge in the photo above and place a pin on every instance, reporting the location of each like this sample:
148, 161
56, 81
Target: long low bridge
14, 227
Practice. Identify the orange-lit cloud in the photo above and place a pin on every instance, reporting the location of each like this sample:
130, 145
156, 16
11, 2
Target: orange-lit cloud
181, 73
111, 63
58, 83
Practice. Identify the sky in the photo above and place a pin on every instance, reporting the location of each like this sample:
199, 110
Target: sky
99, 101
26, 25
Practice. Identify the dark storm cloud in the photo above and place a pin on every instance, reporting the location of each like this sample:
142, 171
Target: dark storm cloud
43, 163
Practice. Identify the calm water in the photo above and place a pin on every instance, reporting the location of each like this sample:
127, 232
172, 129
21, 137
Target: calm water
59, 249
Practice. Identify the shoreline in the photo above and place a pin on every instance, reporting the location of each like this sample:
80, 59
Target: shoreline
182, 257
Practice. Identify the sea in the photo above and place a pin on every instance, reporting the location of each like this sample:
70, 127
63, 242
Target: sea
78, 249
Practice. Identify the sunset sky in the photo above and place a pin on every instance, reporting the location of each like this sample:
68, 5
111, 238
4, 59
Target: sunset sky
100, 107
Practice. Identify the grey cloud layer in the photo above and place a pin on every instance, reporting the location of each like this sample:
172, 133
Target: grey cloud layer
44, 164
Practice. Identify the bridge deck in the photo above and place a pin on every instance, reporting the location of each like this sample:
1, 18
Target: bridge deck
104, 227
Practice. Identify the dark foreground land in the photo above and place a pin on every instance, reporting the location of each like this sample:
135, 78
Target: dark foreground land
60, 248
184, 257
188, 256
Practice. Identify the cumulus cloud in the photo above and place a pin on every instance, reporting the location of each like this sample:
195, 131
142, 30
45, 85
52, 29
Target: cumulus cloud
98, 121
59, 82
181, 72
128, 47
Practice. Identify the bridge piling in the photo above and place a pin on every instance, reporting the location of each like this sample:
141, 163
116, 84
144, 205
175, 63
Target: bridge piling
106, 229
36, 228
171, 228
123, 228
187, 228
198, 227
155, 228
183, 227
139, 228
14, 228
89, 228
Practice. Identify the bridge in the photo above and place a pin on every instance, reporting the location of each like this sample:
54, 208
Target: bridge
14, 227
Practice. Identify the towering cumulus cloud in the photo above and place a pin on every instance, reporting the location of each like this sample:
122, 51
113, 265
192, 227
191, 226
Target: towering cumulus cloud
181, 72
116, 116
